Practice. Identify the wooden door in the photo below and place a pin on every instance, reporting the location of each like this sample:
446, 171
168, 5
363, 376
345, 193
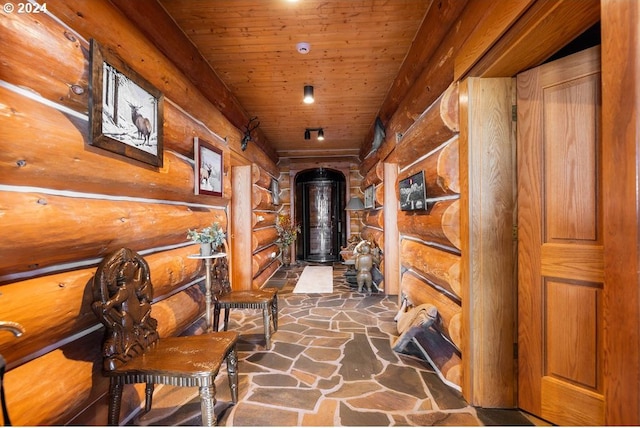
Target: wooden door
560, 252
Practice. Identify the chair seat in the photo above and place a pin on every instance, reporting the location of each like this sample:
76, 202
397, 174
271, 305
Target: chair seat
244, 298
181, 361
265, 299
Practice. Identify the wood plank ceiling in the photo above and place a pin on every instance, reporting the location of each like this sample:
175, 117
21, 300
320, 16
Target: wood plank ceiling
356, 50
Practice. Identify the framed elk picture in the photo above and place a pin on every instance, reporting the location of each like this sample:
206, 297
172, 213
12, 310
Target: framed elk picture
125, 114
208, 168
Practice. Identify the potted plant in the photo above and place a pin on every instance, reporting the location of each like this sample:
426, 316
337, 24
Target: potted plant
210, 238
287, 233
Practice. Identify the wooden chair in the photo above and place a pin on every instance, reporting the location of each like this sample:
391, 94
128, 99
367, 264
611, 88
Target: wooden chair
133, 351
265, 299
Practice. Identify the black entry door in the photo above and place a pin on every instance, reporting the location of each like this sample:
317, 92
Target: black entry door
320, 214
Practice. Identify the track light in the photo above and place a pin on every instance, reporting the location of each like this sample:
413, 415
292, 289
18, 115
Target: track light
307, 133
308, 94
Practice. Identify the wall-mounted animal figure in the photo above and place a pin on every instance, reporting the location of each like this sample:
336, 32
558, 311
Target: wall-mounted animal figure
247, 133
142, 123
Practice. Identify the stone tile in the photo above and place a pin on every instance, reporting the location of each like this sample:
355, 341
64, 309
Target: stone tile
445, 397
362, 318
329, 384
316, 324
275, 380
325, 332
359, 361
383, 349
350, 326
323, 354
349, 417
402, 379
324, 370
325, 416
355, 389
271, 360
287, 349
250, 415
388, 401
307, 379
288, 398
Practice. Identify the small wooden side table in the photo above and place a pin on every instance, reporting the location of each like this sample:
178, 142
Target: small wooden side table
207, 296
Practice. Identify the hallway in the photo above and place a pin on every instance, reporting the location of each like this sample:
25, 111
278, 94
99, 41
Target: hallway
331, 364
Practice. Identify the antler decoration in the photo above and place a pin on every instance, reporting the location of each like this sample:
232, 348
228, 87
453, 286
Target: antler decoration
247, 133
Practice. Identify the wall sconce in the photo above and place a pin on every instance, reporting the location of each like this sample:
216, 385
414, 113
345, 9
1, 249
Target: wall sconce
308, 94
307, 133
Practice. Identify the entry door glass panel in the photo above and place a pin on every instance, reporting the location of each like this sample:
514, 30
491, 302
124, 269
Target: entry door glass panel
321, 222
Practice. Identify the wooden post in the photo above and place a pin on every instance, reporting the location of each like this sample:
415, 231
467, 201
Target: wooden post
620, 154
487, 182
391, 234
241, 220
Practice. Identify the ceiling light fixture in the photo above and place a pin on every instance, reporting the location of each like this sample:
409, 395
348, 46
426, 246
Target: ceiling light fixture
307, 133
308, 94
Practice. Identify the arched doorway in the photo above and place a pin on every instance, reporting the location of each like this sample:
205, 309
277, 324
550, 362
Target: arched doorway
320, 195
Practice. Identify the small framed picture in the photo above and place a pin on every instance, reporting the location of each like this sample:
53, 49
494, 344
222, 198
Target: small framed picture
413, 195
275, 191
369, 197
208, 168
125, 114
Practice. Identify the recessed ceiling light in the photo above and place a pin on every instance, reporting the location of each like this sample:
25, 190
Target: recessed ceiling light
303, 48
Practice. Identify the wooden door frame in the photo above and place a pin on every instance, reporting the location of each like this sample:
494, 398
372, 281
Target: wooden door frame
620, 23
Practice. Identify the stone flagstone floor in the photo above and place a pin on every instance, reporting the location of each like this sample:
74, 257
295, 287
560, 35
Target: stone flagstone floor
331, 364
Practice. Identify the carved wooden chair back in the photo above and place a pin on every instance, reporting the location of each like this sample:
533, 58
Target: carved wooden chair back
123, 292
265, 299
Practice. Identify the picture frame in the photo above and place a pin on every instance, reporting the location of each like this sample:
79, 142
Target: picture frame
369, 197
275, 191
208, 168
413, 193
125, 110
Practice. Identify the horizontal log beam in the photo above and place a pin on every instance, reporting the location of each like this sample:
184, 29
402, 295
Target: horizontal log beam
435, 126
441, 170
68, 229
263, 258
440, 268
263, 237
439, 226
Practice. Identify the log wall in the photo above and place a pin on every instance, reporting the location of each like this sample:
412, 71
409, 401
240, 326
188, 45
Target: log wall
67, 204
